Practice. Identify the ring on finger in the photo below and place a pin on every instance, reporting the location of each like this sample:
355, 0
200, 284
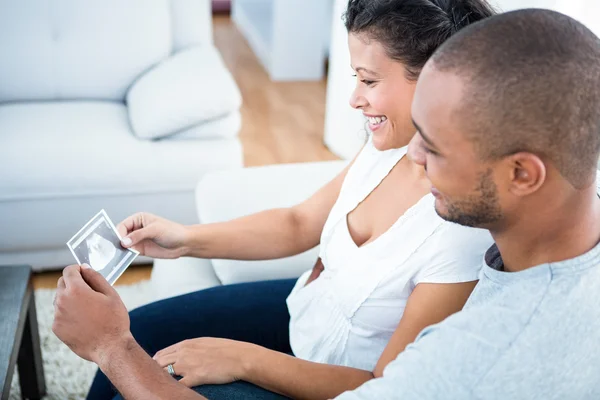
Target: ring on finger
171, 370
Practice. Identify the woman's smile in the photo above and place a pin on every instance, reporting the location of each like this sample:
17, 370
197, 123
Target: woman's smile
376, 121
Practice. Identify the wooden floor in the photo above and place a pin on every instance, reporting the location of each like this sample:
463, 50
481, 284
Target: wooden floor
134, 274
282, 122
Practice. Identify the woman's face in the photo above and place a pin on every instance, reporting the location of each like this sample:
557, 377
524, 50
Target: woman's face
382, 93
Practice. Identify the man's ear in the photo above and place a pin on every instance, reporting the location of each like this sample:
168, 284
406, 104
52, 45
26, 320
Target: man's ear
528, 173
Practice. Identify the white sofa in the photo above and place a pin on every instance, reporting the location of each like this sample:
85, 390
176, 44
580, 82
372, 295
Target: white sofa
121, 105
224, 195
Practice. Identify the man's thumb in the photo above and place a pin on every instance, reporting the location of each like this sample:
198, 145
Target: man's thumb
96, 281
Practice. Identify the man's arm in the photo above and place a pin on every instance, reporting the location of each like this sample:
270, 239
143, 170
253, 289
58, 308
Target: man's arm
137, 376
91, 319
445, 362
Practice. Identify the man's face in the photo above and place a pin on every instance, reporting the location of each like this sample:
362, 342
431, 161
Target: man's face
464, 186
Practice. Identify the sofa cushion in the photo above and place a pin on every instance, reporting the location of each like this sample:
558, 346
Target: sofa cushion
224, 127
242, 192
186, 89
72, 49
53, 150
180, 276
62, 162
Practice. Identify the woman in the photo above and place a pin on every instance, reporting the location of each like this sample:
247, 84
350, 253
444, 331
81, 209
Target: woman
388, 266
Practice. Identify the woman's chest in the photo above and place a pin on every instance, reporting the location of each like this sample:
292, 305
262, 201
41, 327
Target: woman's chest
378, 275
370, 291
384, 206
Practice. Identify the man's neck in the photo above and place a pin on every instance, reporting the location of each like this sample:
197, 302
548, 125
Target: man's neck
565, 230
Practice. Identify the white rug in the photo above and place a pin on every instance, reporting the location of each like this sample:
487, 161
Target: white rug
68, 376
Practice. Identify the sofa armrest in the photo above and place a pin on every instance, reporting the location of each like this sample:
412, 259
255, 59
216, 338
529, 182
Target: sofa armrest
183, 275
224, 195
191, 87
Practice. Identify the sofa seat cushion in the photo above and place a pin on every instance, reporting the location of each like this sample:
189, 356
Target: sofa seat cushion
65, 149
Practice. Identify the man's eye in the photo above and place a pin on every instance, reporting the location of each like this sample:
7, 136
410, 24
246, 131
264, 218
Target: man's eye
429, 151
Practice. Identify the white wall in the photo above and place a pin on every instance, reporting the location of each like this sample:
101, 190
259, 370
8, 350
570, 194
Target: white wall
586, 11
345, 127
509, 5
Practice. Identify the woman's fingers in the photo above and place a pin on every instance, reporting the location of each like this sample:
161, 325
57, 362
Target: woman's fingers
131, 223
166, 350
166, 359
188, 381
139, 235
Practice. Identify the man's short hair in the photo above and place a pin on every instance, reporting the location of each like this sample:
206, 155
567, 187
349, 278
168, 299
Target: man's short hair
532, 84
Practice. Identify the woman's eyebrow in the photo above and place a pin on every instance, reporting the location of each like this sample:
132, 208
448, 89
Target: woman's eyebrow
358, 69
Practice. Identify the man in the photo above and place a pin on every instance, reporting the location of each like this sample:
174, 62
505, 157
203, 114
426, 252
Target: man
508, 113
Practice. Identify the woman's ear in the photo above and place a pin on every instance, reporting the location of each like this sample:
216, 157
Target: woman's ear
528, 173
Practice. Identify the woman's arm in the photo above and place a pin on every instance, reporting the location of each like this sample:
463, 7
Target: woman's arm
265, 235
268, 234
301, 379
210, 360
428, 304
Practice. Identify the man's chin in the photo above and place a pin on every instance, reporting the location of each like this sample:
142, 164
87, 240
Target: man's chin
441, 209
452, 216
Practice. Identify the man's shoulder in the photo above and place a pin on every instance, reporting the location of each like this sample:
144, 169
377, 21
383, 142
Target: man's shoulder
505, 327
558, 342
491, 326
446, 361
488, 325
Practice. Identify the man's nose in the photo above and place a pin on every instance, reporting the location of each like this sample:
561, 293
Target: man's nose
415, 150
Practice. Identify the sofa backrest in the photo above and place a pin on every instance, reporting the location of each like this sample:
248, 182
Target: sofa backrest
191, 23
92, 49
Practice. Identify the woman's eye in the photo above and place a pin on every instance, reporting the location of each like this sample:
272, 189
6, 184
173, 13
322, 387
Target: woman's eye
365, 81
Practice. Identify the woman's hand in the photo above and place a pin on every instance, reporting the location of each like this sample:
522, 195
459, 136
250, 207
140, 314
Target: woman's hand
206, 361
154, 236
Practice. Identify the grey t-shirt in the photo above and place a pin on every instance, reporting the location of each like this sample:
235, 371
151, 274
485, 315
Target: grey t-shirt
533, 334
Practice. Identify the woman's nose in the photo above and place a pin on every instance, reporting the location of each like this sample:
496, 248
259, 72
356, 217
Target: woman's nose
357, 100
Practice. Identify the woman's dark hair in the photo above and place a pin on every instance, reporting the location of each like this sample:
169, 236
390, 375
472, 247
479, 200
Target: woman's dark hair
411, 30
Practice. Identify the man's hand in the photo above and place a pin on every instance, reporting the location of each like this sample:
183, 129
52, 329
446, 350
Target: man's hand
153, 236
89, 315
207, 360
91, 319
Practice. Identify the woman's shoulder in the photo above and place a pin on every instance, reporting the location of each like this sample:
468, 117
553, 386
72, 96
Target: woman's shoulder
373, 165
452, 254
457, 241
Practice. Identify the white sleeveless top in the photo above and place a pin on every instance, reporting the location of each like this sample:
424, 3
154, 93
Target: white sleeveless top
348, 314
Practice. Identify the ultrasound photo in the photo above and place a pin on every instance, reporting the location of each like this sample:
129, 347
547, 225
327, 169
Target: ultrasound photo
98, 244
